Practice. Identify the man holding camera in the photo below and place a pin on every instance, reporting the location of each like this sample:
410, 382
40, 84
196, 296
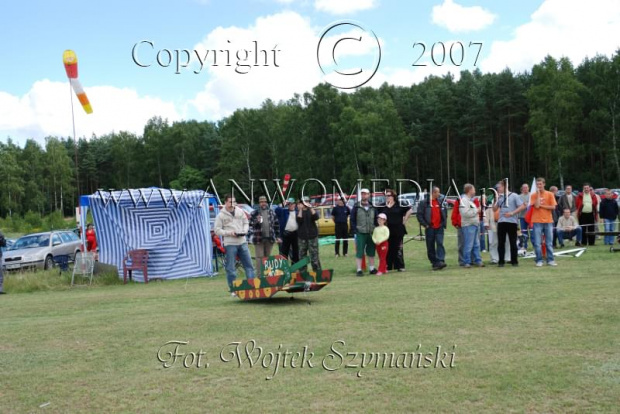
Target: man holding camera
232, 225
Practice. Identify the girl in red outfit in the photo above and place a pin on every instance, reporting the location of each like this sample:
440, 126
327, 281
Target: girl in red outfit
380, 237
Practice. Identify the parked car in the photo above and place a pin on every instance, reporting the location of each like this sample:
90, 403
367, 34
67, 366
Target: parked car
411, 199
9, 243
377, 199
37, 251
326, 225
560, 193
247, 209
601, 193
616, 191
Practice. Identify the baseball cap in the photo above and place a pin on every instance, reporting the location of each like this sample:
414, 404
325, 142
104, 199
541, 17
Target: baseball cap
382, 216
365, 190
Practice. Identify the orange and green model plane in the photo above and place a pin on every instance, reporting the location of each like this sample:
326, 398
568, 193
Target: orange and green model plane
278, 275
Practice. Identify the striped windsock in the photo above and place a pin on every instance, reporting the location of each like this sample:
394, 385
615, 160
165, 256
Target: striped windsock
71, 67
287, 179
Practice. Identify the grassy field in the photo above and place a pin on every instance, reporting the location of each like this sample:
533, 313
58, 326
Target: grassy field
523, 339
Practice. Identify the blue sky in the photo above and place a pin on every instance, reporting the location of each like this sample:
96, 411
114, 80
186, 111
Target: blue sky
35, 96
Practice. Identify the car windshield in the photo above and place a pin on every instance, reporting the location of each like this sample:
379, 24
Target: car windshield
28, 242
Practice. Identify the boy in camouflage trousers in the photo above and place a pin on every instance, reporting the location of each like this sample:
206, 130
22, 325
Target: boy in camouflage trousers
308, 234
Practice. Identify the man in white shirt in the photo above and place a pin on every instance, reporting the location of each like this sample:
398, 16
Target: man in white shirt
288, 230
568, 227
232, 225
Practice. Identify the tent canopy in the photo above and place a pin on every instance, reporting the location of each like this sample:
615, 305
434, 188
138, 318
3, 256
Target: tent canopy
172, 225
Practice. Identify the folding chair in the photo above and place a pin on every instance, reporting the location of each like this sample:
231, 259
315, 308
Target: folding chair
84, 266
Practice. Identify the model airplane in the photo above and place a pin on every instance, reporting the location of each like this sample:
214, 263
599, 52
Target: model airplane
278, 275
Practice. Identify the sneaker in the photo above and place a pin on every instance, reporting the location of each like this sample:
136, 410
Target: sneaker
578, 244
442, 265
436, 267
494, 263
515, 264
500, 264
400, 270
345, 255
359, 273
337, 255
467, 266
480, 264
373, 272
552, 263
484, 251
561, 246
538, 264
380, 273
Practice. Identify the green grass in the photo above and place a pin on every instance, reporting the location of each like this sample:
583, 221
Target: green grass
52, 280
527, 340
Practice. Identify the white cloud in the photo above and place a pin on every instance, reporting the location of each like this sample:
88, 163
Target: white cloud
570, 28
461, 19
343, 6
297, 69
46, 110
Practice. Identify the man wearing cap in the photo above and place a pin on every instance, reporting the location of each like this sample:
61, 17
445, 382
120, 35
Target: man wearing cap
287, 218
308, 233
232, 225
432, 216
363, 222
264, 231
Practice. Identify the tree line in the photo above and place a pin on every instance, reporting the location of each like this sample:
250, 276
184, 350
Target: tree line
556, 121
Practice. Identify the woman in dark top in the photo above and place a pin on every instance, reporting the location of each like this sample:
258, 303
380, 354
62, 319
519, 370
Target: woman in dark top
397, 216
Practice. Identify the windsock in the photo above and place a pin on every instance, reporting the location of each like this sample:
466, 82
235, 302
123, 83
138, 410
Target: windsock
71, 67
287, 179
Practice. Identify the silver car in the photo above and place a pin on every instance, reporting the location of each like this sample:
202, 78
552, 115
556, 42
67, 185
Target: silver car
37, 251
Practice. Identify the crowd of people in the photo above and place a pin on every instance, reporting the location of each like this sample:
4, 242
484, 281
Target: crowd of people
510, 221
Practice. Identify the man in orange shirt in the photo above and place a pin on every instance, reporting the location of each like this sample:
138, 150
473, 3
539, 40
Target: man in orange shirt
543, 203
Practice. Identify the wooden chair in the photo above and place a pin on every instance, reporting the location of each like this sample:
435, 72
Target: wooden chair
138, 260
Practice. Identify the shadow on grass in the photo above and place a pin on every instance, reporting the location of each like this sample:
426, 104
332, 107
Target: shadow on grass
289, 300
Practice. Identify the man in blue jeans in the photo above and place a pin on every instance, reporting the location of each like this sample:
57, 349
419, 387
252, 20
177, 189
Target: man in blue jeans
232, 225
608, 211
470, 227
568, 227
544, 203
432, 216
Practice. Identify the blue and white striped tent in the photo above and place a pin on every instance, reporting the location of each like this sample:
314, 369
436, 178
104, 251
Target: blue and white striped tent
172, 225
